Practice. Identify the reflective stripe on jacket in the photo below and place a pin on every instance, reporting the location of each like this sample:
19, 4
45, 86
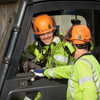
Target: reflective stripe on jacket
57, 53
84, 78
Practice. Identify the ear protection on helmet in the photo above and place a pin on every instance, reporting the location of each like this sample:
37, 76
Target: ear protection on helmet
56, 30
54, 23
91, 47
36, 37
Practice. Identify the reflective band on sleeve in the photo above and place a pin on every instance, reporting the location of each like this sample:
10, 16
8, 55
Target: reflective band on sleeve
30, 56
71, 89
61, 58
56, 40
84, 79
51, 73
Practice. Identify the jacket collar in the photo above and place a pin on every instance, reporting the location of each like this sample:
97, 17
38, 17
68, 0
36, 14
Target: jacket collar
82, 55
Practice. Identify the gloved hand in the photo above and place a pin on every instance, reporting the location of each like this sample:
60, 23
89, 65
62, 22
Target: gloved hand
38, 72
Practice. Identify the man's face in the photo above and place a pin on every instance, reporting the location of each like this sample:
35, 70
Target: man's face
46, 38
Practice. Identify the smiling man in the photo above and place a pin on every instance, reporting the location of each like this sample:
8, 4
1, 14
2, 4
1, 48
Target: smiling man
48, 51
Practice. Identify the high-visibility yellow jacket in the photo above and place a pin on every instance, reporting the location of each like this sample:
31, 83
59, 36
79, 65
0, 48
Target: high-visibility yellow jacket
84, 78
46, 55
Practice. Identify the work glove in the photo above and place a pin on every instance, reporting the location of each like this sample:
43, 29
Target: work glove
23, 65
38, 73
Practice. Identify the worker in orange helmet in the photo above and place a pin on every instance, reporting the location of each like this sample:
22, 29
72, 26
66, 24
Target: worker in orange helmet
48, 50
84, 75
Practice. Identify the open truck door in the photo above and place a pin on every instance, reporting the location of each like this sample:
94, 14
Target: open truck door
13, 83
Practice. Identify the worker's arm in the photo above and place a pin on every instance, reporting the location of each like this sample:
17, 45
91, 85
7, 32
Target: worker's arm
62, 72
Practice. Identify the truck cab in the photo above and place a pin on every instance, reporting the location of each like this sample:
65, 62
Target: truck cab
13, 83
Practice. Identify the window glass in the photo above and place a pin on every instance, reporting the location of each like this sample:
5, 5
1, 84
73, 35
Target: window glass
64, 21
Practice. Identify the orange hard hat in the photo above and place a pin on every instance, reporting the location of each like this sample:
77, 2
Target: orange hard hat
79, 34
43, 24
